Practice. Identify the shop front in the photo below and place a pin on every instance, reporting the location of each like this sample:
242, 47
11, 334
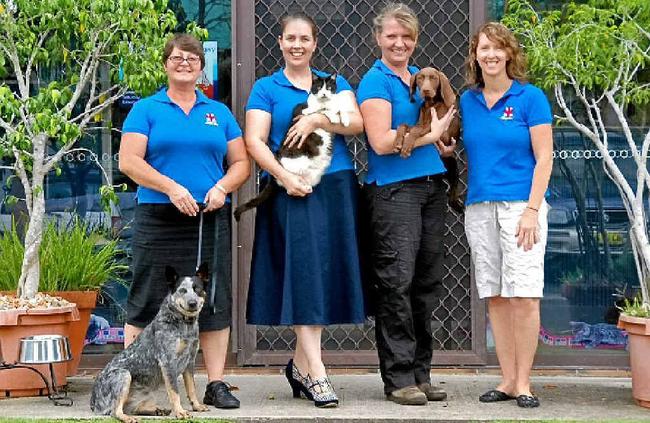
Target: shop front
588, 260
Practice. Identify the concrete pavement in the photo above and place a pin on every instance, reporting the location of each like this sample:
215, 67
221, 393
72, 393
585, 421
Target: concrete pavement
267, 397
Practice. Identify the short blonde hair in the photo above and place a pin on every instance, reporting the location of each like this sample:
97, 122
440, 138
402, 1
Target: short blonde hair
504, 38
403, 14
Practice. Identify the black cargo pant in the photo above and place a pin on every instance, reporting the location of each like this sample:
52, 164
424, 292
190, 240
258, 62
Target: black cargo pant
407, 227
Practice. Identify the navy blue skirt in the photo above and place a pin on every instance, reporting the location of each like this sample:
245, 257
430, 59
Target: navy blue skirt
305, 268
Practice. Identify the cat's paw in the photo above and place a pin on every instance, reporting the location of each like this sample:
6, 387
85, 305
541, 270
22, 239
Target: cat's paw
345, 119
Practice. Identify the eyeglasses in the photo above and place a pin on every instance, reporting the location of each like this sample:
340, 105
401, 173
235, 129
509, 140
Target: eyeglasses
191, 60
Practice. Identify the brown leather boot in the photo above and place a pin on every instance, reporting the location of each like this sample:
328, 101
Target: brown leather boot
409, 395
433, 393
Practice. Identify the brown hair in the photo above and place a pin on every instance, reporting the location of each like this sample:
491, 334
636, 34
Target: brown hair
185, 42
403, 14
504, 38
299, 16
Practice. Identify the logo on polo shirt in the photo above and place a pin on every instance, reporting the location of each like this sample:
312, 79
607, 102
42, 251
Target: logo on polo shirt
508, 113
211, 119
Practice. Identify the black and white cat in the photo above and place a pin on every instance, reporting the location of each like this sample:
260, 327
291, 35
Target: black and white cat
314, 156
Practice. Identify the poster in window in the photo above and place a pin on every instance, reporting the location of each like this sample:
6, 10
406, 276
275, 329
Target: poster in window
208, 80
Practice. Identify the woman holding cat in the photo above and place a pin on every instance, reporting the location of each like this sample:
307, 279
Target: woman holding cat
407, 204
305, 267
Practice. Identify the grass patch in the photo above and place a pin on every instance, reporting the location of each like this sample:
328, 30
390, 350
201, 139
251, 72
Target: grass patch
108, 419
572, 421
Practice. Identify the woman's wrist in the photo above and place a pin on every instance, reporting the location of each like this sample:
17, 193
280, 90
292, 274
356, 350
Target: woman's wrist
320, 120
536, 210
221, 188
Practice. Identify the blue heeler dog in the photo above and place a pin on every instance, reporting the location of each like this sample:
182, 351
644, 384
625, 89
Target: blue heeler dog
159, 355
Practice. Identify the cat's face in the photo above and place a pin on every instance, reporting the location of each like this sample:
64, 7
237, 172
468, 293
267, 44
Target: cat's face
323, 87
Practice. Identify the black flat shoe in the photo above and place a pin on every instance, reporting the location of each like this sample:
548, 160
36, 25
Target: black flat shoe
217, 393
495, 396
527, 401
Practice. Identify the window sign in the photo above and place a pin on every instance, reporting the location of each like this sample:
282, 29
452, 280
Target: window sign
209, 78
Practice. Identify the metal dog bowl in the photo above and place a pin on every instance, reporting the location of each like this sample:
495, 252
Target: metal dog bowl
44, 349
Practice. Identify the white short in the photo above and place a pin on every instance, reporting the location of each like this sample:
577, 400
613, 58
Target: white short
500, 267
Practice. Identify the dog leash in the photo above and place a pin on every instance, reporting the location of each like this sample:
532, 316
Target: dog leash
198, 255
215, 257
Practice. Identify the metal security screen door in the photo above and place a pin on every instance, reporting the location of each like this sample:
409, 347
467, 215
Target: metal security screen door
346, 45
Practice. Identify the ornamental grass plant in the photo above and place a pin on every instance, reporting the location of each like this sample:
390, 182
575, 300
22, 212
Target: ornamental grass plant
73, 257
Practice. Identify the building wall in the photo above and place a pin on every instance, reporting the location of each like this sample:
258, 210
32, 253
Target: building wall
578, 310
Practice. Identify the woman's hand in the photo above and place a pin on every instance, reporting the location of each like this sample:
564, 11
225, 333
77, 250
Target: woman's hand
527, 229
183, 200
438, 126
295, 185
214, 199
303, 126
446, 150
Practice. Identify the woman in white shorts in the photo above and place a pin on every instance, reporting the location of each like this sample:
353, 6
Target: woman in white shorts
509, 145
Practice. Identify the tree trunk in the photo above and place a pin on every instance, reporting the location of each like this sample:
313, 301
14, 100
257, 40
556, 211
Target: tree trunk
638, 232
31, 269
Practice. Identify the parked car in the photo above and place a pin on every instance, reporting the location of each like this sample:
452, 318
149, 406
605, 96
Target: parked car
563, 226
577, 162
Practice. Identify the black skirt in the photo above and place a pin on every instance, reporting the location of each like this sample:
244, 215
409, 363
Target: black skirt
162, 237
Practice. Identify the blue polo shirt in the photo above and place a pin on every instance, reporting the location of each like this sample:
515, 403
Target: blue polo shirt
381, 82
500, 157
190, 149
276, 95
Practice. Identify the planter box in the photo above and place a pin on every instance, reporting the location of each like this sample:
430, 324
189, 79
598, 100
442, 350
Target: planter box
638, 330
85, 301
19, 323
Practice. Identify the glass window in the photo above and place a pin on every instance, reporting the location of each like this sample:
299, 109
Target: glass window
589, 260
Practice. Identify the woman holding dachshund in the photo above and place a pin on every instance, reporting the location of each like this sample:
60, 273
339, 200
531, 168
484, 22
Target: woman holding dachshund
407, 203
173, 146
509, 145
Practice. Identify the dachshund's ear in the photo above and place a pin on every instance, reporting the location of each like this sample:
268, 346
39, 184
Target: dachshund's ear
171, 277
414, 79
202, 271
447, 93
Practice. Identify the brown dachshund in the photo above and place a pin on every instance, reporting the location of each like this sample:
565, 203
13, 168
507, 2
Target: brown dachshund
437, 93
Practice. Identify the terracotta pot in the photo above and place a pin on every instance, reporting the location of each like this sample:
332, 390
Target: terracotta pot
19, 323
638, 330
86, 302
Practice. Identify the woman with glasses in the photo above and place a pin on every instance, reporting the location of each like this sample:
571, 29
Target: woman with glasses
173, 146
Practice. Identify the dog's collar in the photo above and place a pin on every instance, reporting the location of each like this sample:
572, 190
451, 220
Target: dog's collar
190, 319
175, 314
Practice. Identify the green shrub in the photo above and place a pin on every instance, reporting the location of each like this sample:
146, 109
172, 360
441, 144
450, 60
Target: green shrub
73, 257
11, 257
635, 308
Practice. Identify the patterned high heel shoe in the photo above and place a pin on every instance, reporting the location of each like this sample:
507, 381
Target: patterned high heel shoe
297, 381
322, 392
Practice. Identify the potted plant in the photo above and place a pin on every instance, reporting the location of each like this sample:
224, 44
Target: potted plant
69, 61
596, 54
635, 320
90, 260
